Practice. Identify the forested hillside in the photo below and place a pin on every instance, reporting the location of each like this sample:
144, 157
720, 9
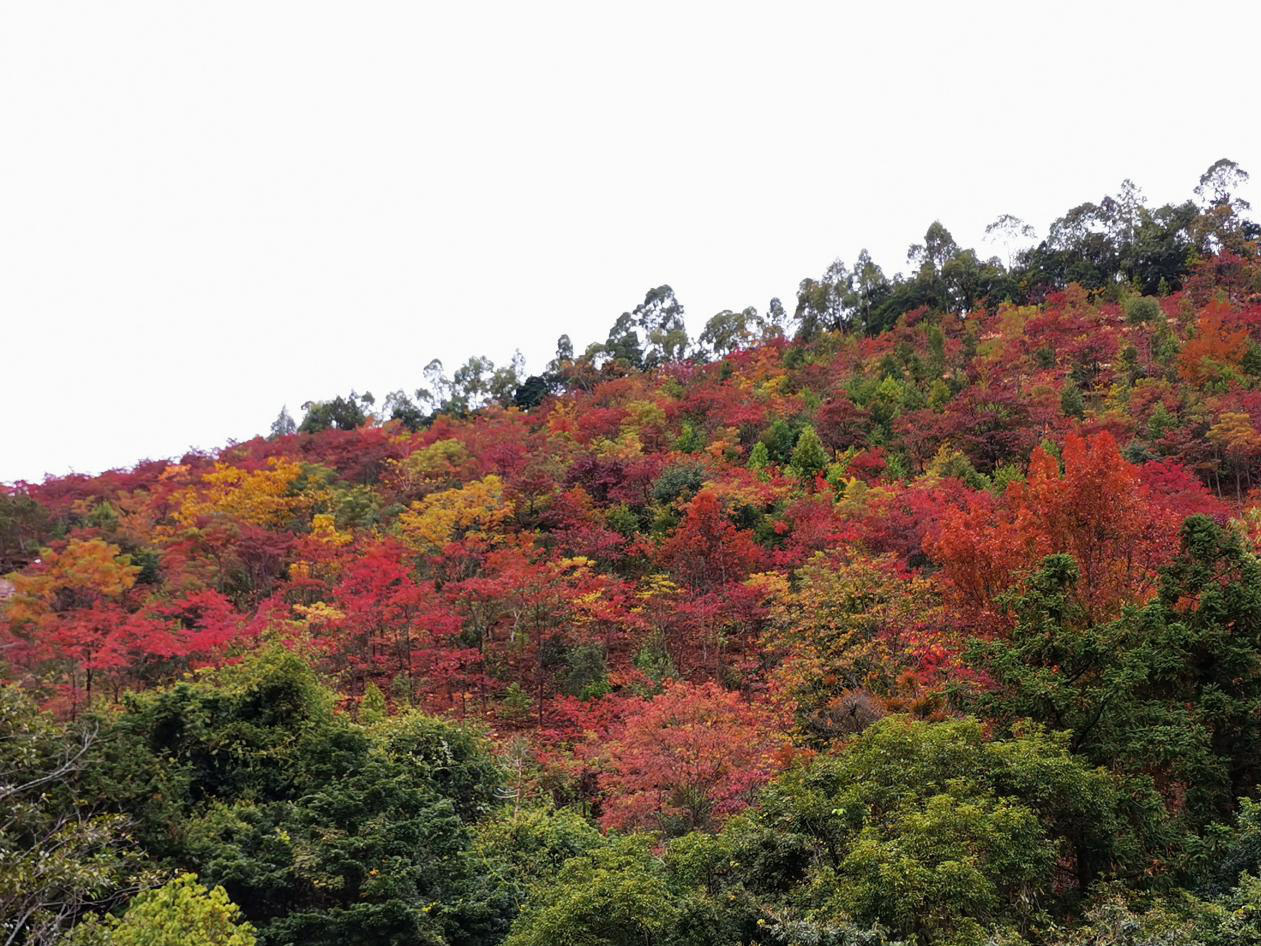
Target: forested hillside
928, 613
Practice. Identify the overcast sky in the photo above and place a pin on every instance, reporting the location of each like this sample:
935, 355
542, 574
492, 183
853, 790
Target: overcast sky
211, 209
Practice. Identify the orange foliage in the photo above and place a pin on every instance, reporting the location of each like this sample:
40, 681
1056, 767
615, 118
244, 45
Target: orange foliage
1214, 343
1096, 510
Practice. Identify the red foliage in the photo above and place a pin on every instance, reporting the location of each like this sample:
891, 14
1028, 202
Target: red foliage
708, 550
686, 760
1096, 510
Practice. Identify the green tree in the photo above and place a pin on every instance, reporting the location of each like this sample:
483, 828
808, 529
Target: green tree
780, 438
623, 342
615, 895
1071, 401
1173, 689
62, 853
283, 425
809, 456
24, 527
323, 831
660, 316
939, 835
180, 913
730, 331
341, 413
691, 440
372, 706
759, 457
526, 849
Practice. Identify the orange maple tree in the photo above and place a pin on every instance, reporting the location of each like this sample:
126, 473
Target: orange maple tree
1095, 509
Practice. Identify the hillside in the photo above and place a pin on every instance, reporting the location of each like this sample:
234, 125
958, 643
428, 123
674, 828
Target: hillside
929, 614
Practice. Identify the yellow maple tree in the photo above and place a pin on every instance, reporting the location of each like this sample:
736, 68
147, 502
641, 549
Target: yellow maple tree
85, 571
474, 509
259, 497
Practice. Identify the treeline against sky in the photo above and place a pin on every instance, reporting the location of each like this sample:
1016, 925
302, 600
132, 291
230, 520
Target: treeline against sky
927, 614
1117, 242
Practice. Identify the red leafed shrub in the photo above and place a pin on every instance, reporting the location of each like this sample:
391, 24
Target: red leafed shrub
1097, 510
687, 760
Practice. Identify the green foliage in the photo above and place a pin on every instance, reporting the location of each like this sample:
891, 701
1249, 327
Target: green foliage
341, 413
1071, 401
1142, 309
938, 835
283, 425
677, 483
516, 705
526, 849
897, 467
586, 676
25, 526
531, 392
323, 831
653, 660
180, 913
1226, 851
372, 706
809, 456
779, 439
454, 760
1180, 919
614, 895
759, 457
366, 857
203, 739
622, 519
1251, 361
1160, 422
60, 855
954, 464
1172, 688
947, 870
691, 440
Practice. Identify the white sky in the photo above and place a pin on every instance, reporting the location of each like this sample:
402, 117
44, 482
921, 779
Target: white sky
210, 209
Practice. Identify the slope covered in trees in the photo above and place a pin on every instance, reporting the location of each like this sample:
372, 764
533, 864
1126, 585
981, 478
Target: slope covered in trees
929, 614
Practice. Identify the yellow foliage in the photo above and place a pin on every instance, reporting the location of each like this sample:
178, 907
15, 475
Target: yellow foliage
589, 600
474, 509
725, 444
772, 387
324, 529
857, 496
318, 613
259, 497
843, 627
1235, 434
644, 415
562, 420
1011, 325
627, 446
771, 585
1249, 526
432, 466
948, 461
656, 586
84, 571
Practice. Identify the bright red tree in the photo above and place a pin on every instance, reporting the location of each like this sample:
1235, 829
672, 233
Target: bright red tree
687, 760
1097, 510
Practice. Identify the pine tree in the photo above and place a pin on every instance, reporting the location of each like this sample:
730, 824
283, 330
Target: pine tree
283, 425
810, 457
372, 705
759, 457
